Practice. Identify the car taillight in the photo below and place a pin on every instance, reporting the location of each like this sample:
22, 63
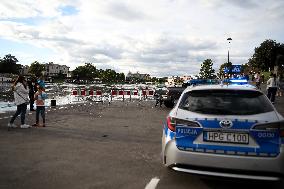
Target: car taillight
186, 123
273, 126
171, 122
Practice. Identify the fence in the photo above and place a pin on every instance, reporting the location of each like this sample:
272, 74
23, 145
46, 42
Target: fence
114, 94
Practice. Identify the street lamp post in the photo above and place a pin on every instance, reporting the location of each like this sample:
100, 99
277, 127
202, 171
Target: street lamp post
229, 39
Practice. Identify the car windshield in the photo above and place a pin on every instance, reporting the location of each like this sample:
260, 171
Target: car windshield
225, 102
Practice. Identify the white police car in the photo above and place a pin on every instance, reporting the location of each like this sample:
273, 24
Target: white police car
225, 130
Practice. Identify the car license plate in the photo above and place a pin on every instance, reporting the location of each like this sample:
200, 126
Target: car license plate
226, 137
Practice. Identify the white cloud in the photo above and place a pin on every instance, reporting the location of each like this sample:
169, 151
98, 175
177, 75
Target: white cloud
158, 37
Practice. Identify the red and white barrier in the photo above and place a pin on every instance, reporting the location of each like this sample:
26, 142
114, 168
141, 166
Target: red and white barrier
148, 93
91, 92
97, 95
83, 92
74, 92
135, 93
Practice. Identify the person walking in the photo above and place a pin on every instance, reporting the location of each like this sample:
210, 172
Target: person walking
279, 86
257, 80
272, 87
21, 93
40, 97
159, 99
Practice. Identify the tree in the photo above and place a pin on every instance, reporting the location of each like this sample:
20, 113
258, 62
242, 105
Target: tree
109, 75
36, 68
9, 64
206, 70
265, 56
120, 77
88, 71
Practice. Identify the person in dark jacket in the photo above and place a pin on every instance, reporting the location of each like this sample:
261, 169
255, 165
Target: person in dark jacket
32, 90
159, 99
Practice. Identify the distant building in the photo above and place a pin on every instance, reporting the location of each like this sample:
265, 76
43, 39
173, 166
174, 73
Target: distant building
52, 69
24, 70
131, 77
173, 80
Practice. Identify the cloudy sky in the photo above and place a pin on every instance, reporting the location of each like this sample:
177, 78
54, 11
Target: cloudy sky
159, 37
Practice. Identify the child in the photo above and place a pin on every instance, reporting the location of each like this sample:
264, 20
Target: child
40, 97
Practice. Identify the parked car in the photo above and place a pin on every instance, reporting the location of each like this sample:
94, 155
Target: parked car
227, 131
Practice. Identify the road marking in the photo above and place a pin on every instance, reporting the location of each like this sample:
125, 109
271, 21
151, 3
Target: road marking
5, 117
153, 183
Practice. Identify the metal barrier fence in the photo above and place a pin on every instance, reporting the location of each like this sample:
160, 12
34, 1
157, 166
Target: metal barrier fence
97, 95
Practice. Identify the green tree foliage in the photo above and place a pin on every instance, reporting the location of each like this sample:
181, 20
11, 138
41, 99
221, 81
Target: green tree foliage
265, 56
206, 70
89, 72
9, 64
36, 68
120, 77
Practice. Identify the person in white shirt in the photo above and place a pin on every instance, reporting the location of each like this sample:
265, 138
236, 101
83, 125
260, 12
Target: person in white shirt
21, 95
272, 87
257, 80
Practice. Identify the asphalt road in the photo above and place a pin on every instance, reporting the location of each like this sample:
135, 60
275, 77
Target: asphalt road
92, 146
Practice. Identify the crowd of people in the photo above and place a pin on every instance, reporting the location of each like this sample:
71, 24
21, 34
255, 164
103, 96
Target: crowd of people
27, 92
273, 85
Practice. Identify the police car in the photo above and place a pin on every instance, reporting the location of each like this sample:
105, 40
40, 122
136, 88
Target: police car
225, 130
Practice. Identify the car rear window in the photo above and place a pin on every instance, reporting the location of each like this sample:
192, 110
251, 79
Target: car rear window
225, 102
